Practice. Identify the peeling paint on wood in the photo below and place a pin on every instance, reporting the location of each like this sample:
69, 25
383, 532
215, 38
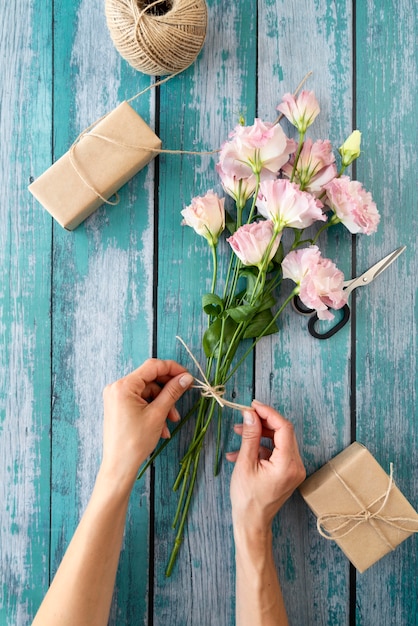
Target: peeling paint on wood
80, 309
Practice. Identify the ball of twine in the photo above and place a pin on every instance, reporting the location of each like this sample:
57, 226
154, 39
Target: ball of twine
157, 37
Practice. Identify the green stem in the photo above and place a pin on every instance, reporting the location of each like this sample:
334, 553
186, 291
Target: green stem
198, 439
279, 312
321, 230
257, 188
186, 475
218, 442
299, 150
179, 536
165, 443
215, 268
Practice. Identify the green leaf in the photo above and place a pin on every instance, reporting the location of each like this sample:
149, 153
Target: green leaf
242, 313
251, 276
212, 337
259, 323
278, 257
267, 301
212, 304
230, 223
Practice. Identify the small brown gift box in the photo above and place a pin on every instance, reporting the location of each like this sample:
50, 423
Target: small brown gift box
99, 163
359, 506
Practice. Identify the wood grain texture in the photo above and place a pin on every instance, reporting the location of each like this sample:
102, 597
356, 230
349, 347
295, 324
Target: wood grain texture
306, 379
208, 100
102, 294
386, 351
25, 323
80, 309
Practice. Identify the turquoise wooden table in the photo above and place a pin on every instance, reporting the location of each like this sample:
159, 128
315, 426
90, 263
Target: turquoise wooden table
80, 309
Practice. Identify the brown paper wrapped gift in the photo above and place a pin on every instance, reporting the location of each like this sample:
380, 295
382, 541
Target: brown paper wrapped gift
359, 506
99, 163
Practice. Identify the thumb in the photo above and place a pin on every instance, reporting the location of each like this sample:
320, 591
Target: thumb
172, 391
251, 437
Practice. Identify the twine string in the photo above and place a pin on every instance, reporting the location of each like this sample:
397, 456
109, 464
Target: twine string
206, 389
157, 42
347, 522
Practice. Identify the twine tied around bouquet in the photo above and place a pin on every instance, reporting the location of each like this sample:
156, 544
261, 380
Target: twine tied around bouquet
206, 389
349, 521
160, 37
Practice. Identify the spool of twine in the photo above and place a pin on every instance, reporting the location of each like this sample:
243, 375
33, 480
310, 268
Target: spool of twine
157, 37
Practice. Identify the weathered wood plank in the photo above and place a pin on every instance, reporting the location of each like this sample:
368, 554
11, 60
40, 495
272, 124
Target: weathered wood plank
25, 265
102, 294
386, 312
309, 380
198, 110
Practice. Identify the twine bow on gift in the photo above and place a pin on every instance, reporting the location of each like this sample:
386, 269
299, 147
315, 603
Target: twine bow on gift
206, 389
347, 522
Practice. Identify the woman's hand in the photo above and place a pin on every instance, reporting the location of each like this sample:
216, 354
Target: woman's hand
135, 411
263, 479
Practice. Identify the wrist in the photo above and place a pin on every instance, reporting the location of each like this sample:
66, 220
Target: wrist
252, 536
116, 488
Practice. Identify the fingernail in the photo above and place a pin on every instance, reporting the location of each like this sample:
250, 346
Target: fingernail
186, 380
256, 402
248, 418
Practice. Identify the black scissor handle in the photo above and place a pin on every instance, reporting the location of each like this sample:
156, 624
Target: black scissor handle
300, 307
329, 333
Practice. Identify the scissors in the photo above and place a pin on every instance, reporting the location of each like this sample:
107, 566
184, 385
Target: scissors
349, 286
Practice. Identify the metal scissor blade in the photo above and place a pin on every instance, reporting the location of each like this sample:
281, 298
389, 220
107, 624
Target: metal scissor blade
374, 271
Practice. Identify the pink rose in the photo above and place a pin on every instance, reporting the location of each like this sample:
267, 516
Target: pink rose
315, 168
302, 111
286, 205
321, 283
251, 241
352, 205
206, 215
262, 148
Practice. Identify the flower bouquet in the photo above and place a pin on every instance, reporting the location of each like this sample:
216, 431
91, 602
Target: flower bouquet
276, 184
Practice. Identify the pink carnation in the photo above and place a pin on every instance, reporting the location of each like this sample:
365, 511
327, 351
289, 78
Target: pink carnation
300, 111
315, 168
250, 242
352, 205
257, 149
286, 205
320, 282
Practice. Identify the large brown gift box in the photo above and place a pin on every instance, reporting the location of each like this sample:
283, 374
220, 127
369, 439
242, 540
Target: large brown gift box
96, 166
359, 506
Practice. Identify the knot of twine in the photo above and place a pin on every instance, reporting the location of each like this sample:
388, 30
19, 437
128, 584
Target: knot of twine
160, 37
206, 389
347, 522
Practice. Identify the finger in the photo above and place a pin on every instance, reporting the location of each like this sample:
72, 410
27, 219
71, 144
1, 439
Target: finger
156, 369
273, 419
285, 443
151, 390
264, 453
173, 415
251, 436
171, 392
165, 433
265, 432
